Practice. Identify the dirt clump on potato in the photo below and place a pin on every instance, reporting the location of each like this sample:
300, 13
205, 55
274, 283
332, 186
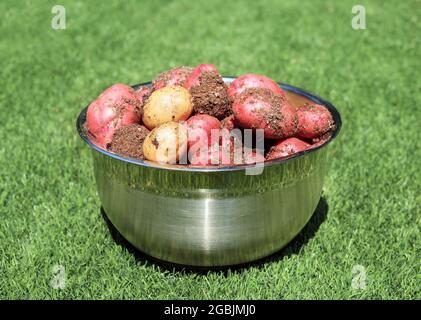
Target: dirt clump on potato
211, 97
117, 106
128, 141
261, 108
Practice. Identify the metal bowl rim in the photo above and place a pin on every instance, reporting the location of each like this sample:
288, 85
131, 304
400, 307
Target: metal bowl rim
335, 114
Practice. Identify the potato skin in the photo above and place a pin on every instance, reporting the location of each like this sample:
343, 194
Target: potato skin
166, 143
286, 148
314, 121
251, 156
320, 140
261, 109
171, 103
117, 106
142, 94
228, 123
210, 157
173, 77
221, 156
251, 80
200, 127
193, 78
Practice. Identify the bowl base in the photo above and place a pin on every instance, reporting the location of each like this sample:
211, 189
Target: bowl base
293, 247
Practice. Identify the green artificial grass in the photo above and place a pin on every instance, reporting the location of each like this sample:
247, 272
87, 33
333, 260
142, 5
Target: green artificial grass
49, 208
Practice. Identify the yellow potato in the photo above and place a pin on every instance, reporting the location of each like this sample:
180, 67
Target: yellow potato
172, 103
166, 143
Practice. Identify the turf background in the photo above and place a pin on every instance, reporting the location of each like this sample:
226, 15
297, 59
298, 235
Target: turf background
49, 209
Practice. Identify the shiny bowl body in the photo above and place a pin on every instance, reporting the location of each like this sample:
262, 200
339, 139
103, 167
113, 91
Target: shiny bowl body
211, 216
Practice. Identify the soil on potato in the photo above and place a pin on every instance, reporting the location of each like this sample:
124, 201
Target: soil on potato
211, 97
125, 103
263, 94
128, 141
274, 118
320, 132
142, 94
155, 142
165, 77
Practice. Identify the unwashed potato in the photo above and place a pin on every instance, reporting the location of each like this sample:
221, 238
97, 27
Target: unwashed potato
116, 107
287, 147
208, 91
166, 143
211, 157
173, 77
142, 93
251, 156
171, 103
193, 78
314, 121
228, 123
320, 140
251, 80
200, 128
260, 108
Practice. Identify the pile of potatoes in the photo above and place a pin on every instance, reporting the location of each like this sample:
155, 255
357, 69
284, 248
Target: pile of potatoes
189, 116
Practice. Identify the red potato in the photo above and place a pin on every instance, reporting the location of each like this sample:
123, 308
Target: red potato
209, 92
143, 93
210, 157
251, 156
193, 78
228, 123
205, 131
231, 140
286, 148
222, 156
117, 106
314, 121
260, 108
200, 127
227, 126
243, 155
173, 77
320, 140
250, 80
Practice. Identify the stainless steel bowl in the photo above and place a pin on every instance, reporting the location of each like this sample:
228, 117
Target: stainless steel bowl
211, 216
